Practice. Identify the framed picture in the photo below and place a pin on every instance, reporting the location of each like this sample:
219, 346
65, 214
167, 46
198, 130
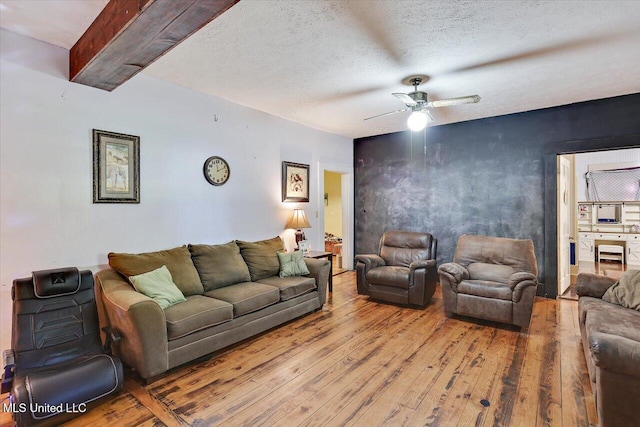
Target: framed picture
295, 182
116, 167
303, 245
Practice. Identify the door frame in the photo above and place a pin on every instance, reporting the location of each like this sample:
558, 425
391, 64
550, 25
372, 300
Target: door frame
346, 172
564, 162
551, 151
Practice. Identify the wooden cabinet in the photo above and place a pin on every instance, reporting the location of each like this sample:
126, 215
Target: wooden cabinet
586, 245
623, 229
633, 250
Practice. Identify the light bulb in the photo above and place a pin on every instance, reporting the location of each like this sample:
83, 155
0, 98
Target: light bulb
417, 121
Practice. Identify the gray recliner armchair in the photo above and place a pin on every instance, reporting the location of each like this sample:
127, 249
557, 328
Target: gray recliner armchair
403, 271
57, 367
491, 278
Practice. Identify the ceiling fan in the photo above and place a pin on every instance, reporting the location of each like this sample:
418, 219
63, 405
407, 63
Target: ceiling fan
418, 103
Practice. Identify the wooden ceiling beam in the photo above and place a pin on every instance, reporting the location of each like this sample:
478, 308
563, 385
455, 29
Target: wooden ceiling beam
129, 35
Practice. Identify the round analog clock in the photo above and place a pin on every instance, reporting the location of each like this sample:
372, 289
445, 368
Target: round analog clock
216, 170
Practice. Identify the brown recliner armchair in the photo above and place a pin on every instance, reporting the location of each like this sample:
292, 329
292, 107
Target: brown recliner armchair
491, 278
403, 272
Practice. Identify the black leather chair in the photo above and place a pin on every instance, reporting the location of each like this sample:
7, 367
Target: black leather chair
57, 367
404, 270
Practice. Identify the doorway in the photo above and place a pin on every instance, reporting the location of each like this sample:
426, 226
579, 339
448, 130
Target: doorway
335, 219
551, 152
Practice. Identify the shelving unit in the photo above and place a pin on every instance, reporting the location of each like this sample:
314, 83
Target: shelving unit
585, 217
631, 214
629, 217
624, 234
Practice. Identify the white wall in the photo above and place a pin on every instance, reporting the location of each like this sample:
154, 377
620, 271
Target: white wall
583, 160
47, 216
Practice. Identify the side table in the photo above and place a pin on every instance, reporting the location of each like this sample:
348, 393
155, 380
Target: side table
327, 255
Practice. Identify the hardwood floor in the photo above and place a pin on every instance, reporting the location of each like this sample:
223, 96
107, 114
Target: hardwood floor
362, 363
604, 268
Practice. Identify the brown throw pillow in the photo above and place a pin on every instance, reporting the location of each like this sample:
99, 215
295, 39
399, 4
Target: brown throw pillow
262, 257
219, 265
177, 260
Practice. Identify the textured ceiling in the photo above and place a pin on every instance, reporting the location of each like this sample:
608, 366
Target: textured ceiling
329, 64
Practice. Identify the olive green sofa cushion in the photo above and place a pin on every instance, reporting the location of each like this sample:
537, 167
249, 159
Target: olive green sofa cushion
177, 260
262, 257
246, 297
291, 287
219, 265
196, 313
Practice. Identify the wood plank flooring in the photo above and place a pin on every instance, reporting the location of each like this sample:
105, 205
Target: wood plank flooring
362, 363
604, 268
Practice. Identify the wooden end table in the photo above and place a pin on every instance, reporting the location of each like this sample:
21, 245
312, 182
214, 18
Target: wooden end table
327, 255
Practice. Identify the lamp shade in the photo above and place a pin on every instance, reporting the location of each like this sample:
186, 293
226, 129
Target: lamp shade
297, 220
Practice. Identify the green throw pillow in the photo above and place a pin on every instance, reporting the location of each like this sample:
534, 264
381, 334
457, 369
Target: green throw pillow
158, 284
292, 264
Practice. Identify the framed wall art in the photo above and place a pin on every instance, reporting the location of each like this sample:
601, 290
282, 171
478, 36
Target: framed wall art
116, 167
303, 245
295, 182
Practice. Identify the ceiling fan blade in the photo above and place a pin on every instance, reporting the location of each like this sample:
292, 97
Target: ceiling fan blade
410, 102
429, 116
454, 101
387, 114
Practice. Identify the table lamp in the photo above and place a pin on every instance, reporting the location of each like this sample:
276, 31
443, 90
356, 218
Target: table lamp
298, 220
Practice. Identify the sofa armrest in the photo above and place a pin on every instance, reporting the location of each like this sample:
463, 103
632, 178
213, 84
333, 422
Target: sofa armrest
592, 285
370, 261
319, 269
421, 263
454, 272
519, 281
140, 322
615, 353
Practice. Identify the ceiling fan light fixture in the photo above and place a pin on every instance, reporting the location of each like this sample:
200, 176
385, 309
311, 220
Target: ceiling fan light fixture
417, 121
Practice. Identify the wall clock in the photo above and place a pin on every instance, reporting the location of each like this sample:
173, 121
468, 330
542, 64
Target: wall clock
216, 170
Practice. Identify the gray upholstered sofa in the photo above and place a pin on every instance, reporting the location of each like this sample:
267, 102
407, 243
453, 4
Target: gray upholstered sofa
232, 292
611, 342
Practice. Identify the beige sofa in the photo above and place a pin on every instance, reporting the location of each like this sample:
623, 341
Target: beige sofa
232, 292
611, 343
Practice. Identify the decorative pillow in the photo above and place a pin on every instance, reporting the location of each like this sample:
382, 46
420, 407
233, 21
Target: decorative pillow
261, 257
158, 284
626, 291
292, 264
177, 260
219, 265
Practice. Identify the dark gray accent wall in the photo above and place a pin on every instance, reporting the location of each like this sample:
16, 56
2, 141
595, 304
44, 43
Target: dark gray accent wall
486, 176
